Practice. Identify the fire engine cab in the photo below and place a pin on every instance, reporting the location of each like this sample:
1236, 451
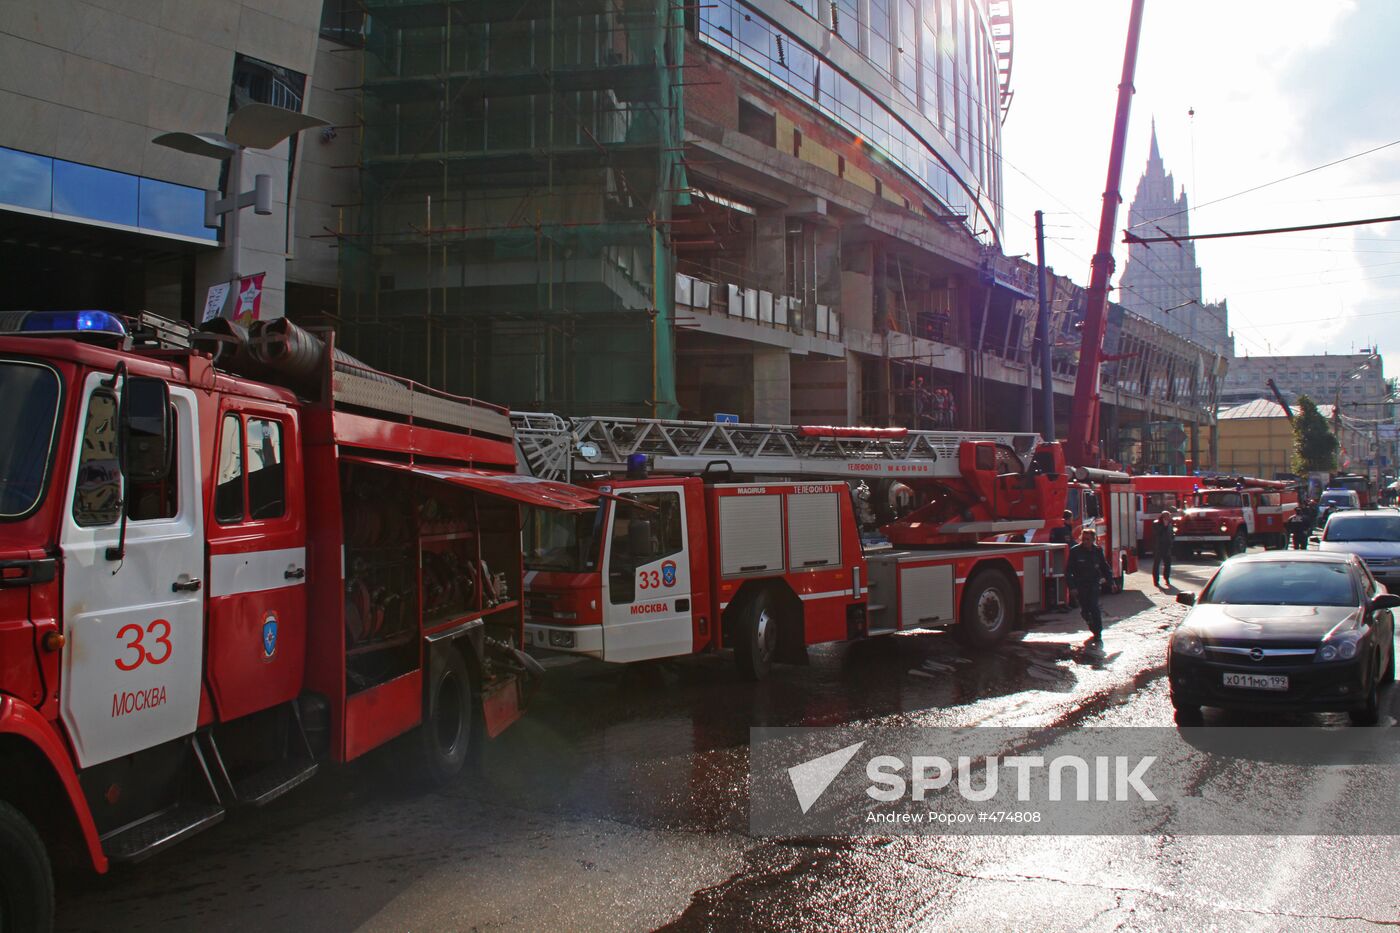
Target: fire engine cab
1233, 512
717, 536
210, 584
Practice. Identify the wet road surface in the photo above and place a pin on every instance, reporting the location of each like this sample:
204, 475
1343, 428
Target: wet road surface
619, 802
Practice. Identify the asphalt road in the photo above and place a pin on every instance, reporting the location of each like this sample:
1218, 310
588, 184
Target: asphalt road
619, 802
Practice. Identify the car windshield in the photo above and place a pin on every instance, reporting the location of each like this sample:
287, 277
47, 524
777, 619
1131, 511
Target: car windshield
1282, 583
561, 541
1364, 528
1336, 498
28, 424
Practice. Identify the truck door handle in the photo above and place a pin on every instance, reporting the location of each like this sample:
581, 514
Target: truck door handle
682, 605
186, 586
296, 573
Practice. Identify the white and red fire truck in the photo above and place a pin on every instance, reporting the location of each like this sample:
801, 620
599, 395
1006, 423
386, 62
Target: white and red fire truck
719, 536
210, 584
1233, 512
1156, 494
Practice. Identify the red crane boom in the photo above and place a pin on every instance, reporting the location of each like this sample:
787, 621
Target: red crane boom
1082, 448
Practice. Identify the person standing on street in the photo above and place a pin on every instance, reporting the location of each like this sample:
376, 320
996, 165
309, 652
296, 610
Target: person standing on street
1163, 540
1061, 533
1085, 569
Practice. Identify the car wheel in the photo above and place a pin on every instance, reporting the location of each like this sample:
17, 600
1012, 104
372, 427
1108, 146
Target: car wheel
1369, 713
757, 643
26, 880
988, 609
1188, 715
446, 733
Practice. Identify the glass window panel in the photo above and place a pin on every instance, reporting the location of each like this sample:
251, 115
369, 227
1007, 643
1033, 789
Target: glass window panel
266, 480
95, 193
908, 71
228, 489
173, 209
879, 34
848, 22
160, 499
97, 494
26, 180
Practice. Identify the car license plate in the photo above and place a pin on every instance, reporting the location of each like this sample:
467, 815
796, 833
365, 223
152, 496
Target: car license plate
1257, 681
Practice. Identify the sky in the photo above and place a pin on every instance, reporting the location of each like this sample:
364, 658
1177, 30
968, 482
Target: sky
1278, 87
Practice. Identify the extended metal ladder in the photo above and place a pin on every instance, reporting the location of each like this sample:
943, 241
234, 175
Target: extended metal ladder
553, 447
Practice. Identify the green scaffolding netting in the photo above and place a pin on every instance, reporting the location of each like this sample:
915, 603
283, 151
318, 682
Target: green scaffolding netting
519, 160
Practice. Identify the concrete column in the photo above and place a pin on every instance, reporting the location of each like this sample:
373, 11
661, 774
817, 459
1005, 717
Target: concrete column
772, 386
770, 253
828, 264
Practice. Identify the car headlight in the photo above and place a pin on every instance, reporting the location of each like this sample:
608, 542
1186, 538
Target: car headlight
1188, 643
1340, 648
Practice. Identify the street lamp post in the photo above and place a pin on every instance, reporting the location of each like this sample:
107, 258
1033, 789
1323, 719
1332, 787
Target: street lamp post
252, 126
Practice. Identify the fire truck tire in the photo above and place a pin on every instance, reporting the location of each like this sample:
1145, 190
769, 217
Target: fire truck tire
26, 879
988, 609
445, 737
1239, 543
756, 643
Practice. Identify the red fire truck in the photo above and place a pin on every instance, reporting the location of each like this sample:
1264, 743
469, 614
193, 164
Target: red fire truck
1102, 500
719, 536
1233, 512
1157, 494
210, 584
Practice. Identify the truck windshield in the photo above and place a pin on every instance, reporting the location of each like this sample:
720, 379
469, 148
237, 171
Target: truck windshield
561, 541
1222, 500
28, 426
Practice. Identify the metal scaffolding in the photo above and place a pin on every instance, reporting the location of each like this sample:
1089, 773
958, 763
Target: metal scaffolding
518, 165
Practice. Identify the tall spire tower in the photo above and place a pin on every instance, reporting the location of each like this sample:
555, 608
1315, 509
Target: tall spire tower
1162, 281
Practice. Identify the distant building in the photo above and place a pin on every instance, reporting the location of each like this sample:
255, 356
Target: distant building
1162, 281
1256, 439
1355, 380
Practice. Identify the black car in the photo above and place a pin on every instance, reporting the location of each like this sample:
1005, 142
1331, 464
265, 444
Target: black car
1287, 631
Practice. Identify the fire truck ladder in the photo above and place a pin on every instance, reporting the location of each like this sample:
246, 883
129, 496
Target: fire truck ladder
552, 447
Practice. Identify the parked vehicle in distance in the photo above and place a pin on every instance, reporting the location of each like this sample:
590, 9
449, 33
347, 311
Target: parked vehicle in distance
1333, 499
1289, 631
1374, 536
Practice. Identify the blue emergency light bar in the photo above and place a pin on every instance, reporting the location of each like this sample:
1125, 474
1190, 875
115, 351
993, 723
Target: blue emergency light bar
76, 323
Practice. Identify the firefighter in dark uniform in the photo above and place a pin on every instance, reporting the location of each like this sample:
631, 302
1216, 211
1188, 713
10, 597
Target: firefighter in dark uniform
1085, 569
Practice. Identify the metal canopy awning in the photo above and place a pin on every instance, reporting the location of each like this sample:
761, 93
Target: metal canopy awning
525, 490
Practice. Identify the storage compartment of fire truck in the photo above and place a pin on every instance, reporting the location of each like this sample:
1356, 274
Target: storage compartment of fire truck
421, 556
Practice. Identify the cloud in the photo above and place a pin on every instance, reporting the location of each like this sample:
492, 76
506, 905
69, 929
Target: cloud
1345, 101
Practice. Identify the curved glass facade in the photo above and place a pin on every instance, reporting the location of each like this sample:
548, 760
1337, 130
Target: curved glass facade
933, 59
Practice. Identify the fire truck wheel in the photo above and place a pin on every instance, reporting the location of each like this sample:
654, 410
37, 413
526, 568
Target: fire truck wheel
26, 880
988, 609
1239, 543
446, 733
757, 636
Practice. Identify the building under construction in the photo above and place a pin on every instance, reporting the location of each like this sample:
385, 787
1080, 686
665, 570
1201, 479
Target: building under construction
519, 163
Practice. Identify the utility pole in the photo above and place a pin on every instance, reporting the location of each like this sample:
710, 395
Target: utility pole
1042, 329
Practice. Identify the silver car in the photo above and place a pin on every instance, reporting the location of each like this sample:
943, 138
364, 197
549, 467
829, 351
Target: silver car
1374, 536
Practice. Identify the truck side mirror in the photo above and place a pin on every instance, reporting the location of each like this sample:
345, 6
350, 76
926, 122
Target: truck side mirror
145, 429
639, 541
